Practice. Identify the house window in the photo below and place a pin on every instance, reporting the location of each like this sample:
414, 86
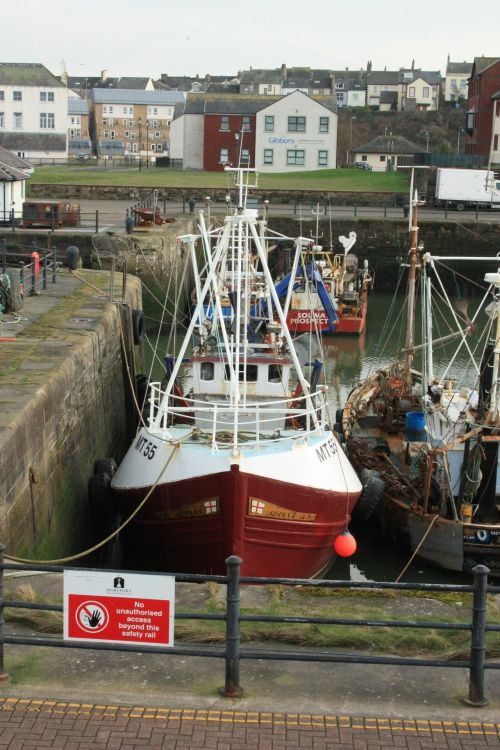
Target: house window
364, 157
497, 109
2, 120
425, 92
2, 96
470, 122
411, 92
495, 143
51, 120
268, 156
296, 124
324, 124
18, 120
106, 134
382, 157
159, 147
322, 158
50, 96
17, 96
224, 122
131, 123
339, 85
43, 119
224, 156
112, 135
245, 123
43, 96
340, 98
111, 110
269, 123
245, 155
134, 148
295, 157
126, 134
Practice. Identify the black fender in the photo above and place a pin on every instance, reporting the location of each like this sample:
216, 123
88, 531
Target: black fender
138, 325
105, 466
373, 491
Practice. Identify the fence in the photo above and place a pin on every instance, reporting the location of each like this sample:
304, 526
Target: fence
36, 264
233, 653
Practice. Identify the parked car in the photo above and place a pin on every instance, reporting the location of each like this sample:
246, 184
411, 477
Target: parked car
363, 165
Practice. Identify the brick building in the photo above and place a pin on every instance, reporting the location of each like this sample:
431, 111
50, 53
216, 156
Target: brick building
484, 84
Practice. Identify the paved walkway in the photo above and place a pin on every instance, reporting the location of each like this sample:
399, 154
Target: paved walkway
84, 726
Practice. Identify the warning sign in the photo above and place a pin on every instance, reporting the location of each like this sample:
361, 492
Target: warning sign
119, 608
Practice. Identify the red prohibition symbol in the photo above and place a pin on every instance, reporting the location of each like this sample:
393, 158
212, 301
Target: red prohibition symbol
92, 617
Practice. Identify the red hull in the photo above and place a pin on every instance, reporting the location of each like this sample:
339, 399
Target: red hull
304, 321
278, 529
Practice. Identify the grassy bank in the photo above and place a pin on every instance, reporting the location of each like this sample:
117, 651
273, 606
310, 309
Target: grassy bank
356, 180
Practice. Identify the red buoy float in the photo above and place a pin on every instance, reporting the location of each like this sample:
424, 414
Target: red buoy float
345, 544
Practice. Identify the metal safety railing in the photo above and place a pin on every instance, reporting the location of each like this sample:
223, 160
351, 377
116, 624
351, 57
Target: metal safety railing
35, 265
232, 653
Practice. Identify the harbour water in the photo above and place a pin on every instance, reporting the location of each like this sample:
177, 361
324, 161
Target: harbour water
347, 360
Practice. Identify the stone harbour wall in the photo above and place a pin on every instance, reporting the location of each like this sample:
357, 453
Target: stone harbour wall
66, 401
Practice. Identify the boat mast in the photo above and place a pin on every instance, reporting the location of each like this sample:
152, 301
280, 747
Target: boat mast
410, 323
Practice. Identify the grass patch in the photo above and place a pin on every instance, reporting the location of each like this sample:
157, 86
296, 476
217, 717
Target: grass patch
329, 180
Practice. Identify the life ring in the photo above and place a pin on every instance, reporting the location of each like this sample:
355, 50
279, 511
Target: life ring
137, 325
483, 536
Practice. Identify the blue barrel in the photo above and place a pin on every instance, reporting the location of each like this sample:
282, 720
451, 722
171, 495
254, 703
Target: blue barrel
415, 426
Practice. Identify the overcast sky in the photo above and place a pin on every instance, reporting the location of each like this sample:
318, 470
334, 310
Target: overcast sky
150, 37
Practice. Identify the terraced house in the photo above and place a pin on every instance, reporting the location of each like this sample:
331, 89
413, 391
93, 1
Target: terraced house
33, 111
131, 122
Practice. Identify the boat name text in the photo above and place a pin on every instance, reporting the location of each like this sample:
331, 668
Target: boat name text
146, 447
327, 450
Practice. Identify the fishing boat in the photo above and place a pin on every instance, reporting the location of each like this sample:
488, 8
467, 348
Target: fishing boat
326, 291
425, 443
238, 455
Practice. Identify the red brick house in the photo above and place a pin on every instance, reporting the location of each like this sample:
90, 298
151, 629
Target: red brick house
229, 131
484, 83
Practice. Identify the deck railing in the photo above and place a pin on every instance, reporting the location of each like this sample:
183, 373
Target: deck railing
299, 416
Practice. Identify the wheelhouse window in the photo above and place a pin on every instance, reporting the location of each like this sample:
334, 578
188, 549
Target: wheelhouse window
269, 123
274, 373
251, 373
324, 124
295, 157
224, 122
268, 156
296, 124
207, 371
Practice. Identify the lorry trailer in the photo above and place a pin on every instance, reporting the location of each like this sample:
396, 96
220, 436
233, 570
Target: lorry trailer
467, 188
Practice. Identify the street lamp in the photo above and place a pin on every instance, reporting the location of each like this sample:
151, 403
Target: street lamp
139, 122
237, 139
353, 117
460, 130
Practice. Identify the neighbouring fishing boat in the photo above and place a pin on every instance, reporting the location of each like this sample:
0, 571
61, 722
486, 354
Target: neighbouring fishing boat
238, 455
326, 291
425, 443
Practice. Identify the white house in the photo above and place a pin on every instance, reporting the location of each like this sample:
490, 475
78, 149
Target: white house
33, 111
296, 133
456, 84
13, 175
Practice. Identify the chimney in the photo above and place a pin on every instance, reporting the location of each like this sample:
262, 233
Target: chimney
64, 77
104, 75
369, 66
283, 70
413, 64
164, 77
